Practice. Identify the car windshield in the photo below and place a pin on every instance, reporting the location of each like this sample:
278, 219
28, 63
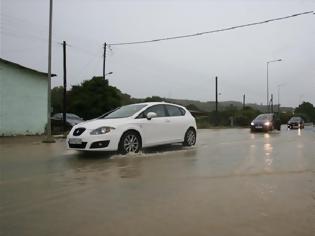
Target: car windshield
295, 119
264, 117
125, 111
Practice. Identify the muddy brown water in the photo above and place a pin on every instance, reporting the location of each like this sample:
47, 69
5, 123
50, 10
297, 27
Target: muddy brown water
232, 183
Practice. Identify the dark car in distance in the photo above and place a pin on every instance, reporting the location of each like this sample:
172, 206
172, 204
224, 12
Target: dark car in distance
265, 122
296, 122
71, 120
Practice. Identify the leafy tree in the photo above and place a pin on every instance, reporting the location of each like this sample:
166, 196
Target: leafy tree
306, 110
57, 99
154, 99
89, 99
245, 116
93, 98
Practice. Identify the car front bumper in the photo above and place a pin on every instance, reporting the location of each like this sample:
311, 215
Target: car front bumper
294, 126
260, 127
88, 142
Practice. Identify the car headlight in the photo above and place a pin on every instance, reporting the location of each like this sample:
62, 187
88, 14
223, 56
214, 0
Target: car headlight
252, 123
101, 130
267, 123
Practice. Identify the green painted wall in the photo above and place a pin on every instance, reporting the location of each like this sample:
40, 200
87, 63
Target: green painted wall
23, 101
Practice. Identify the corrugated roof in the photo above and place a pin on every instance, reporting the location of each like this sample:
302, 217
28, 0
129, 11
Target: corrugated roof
23, 67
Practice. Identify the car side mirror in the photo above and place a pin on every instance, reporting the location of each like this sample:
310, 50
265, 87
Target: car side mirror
151, 115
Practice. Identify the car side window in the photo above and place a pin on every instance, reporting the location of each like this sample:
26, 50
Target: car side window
173, 110
158, 109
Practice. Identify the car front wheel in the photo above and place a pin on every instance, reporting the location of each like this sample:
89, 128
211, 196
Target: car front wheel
190, 137
130, 142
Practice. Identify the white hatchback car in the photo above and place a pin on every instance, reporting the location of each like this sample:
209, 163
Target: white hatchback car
132, 127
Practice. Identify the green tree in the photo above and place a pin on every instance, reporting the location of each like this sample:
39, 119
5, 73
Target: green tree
154, 99
245, 116
306, 110
93, 98
57, 99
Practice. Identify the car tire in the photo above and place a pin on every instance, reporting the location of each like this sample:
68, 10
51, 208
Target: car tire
190, 137
130, 142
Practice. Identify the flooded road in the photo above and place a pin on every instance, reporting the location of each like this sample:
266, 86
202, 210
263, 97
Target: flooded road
232, 183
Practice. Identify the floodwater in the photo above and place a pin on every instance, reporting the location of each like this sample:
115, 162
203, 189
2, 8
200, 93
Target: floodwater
232, 183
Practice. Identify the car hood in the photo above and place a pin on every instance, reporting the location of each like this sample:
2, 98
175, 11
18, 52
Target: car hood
74, 121
261, 121
94, 124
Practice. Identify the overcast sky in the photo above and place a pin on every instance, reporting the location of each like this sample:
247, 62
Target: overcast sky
183, 68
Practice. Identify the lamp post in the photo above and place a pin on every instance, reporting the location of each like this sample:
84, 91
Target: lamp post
268, 62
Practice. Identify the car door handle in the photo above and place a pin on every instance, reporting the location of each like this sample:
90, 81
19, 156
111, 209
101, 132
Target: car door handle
167, 121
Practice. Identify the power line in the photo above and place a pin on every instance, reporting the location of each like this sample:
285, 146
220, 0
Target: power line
211, 31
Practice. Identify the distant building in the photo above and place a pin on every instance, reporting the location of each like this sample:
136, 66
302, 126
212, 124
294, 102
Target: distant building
23, 100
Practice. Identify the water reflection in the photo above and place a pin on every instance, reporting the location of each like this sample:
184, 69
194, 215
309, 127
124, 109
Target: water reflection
266, 135
268, 157
129, 168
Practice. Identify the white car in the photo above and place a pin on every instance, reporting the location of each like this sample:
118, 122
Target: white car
136, 126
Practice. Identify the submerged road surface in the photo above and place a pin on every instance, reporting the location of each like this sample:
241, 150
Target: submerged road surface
232, 183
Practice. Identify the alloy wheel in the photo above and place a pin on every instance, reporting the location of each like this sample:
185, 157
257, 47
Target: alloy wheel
191, 137
131, 143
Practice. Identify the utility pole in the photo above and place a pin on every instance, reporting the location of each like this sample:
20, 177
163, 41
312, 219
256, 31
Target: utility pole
49, 138
216, 101
104, 59
278, 99
267, 86
64, 110
216, 94
243, 101
271, 103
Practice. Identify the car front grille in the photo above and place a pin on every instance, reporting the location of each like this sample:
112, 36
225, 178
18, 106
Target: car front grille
81, 145
78, 131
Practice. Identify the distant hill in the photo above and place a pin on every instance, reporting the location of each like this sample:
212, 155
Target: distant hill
210, 105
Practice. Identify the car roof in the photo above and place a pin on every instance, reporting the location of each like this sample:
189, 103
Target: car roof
158, 103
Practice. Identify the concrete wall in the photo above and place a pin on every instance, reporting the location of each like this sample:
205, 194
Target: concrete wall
23, 101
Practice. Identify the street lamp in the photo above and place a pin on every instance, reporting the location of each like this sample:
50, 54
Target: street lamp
109, 73
268, 62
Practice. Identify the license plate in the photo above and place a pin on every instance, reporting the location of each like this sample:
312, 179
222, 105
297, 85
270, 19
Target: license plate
258, 127
75, 141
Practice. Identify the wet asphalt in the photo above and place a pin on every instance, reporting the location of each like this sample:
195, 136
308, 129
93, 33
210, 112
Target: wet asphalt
232, 182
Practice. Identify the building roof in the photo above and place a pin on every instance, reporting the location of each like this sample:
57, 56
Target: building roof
23, 67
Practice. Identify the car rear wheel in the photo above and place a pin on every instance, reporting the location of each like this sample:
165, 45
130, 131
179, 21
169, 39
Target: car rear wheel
190, 137
130, 142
